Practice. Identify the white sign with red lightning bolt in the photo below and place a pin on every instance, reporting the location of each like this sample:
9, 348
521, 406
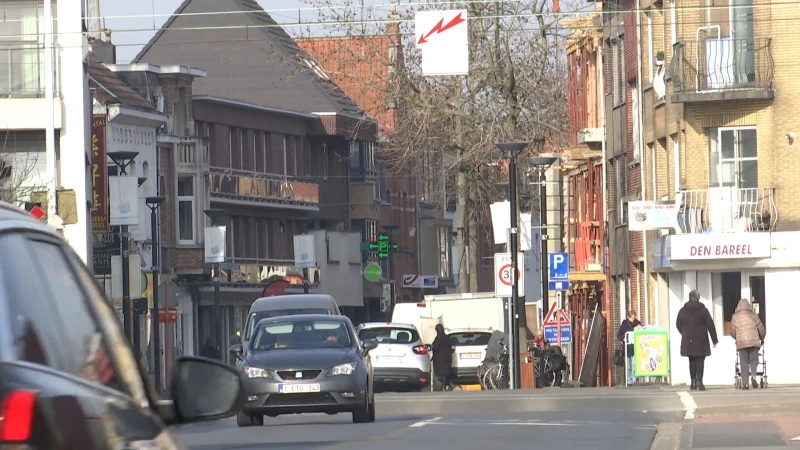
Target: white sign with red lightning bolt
443, 39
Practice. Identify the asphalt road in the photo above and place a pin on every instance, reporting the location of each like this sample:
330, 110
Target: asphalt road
563, 419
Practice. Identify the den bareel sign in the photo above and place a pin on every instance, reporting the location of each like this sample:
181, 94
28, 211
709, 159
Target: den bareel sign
721, 246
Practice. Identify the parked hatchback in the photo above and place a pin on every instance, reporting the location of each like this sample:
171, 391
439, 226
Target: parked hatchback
68, 378
469, 350
401, 361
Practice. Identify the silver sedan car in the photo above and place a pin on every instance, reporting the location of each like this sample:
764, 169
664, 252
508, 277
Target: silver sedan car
306, 364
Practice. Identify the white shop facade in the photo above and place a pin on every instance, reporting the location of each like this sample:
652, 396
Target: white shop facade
724, 268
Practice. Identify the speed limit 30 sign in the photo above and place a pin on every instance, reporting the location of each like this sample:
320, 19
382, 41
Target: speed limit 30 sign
503, 277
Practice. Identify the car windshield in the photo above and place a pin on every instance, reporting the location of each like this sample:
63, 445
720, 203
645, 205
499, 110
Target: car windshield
389, 335
460, 339
257, 316
301, 334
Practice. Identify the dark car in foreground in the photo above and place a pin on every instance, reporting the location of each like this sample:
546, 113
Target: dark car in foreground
68, 378
306, 364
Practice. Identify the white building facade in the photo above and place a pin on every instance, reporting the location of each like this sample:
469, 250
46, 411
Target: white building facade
47, 92
724, 268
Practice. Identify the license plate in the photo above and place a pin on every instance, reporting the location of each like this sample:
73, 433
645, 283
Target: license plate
469, 355
297, 388
389, 359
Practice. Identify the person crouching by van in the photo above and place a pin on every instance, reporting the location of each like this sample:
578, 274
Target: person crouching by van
442, 357
749, 332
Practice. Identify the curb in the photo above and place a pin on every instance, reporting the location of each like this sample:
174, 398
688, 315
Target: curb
668, 436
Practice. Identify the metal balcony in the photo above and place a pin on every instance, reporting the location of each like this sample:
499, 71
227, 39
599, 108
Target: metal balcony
257, 189
727, 210
718, 69
22, 71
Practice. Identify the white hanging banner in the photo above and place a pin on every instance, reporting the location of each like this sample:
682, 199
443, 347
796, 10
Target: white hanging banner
215, 244
123, 200
443, 39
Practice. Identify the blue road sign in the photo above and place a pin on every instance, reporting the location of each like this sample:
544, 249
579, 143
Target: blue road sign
559, 267
558, 285
551, 333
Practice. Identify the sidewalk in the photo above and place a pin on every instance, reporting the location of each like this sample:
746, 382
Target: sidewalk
725, 418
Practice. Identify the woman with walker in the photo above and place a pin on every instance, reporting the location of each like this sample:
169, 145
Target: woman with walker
749, 332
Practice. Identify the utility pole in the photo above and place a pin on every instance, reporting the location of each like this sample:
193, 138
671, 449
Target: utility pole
123, 159
155, 317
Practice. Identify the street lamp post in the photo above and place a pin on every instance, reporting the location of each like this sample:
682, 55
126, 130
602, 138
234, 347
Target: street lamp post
155, 329
216, 215
513, 149
541, 163
124, 159
391, 229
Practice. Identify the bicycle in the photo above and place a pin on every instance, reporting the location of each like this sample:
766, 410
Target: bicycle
493, 374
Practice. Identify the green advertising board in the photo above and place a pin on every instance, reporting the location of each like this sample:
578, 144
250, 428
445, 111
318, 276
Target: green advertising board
373, 272
651, 352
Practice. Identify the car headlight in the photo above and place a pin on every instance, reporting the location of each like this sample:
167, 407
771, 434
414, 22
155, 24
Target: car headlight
255, 372
344, 369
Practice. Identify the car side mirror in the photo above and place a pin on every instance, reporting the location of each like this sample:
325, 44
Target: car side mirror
236, 349
370, 345
206, 390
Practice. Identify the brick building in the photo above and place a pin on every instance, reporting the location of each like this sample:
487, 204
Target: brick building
362, 66
280, 146
585, 216
715, 205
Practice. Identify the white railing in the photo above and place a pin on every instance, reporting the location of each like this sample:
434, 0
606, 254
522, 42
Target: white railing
727, 210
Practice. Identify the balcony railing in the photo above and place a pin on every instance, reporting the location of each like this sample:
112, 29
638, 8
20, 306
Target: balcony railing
710, 65
22, 71
238, 186
727, 210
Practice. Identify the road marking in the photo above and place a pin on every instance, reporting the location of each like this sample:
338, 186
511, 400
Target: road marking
796, 438
688, 404
530, 424
424, 422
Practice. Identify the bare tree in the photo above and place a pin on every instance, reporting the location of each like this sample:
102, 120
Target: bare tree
20, 177
447, 127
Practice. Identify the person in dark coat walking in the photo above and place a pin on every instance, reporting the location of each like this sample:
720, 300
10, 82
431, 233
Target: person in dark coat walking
442, 357
695, 324
208, 350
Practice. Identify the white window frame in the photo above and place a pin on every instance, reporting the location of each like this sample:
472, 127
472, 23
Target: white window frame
717, 142
192, 202
444, 260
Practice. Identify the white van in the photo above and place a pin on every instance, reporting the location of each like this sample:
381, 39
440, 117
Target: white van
287, 305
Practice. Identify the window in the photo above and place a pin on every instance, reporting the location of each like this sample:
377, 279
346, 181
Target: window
618, 69
241, 136
368, 153
355, 156
389, 335
285, 153
265, 146
186, 210
445, 267
733, 157
650, 56
651, 148
382, 185
637, 124
22, 49
326, 163
78, 333
623, 213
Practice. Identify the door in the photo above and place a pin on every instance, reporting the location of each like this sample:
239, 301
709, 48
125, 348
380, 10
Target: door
753, 289
733, 177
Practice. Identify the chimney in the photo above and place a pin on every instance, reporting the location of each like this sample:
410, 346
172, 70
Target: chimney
105, 51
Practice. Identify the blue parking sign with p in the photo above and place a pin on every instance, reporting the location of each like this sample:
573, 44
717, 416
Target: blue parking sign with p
559, 267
